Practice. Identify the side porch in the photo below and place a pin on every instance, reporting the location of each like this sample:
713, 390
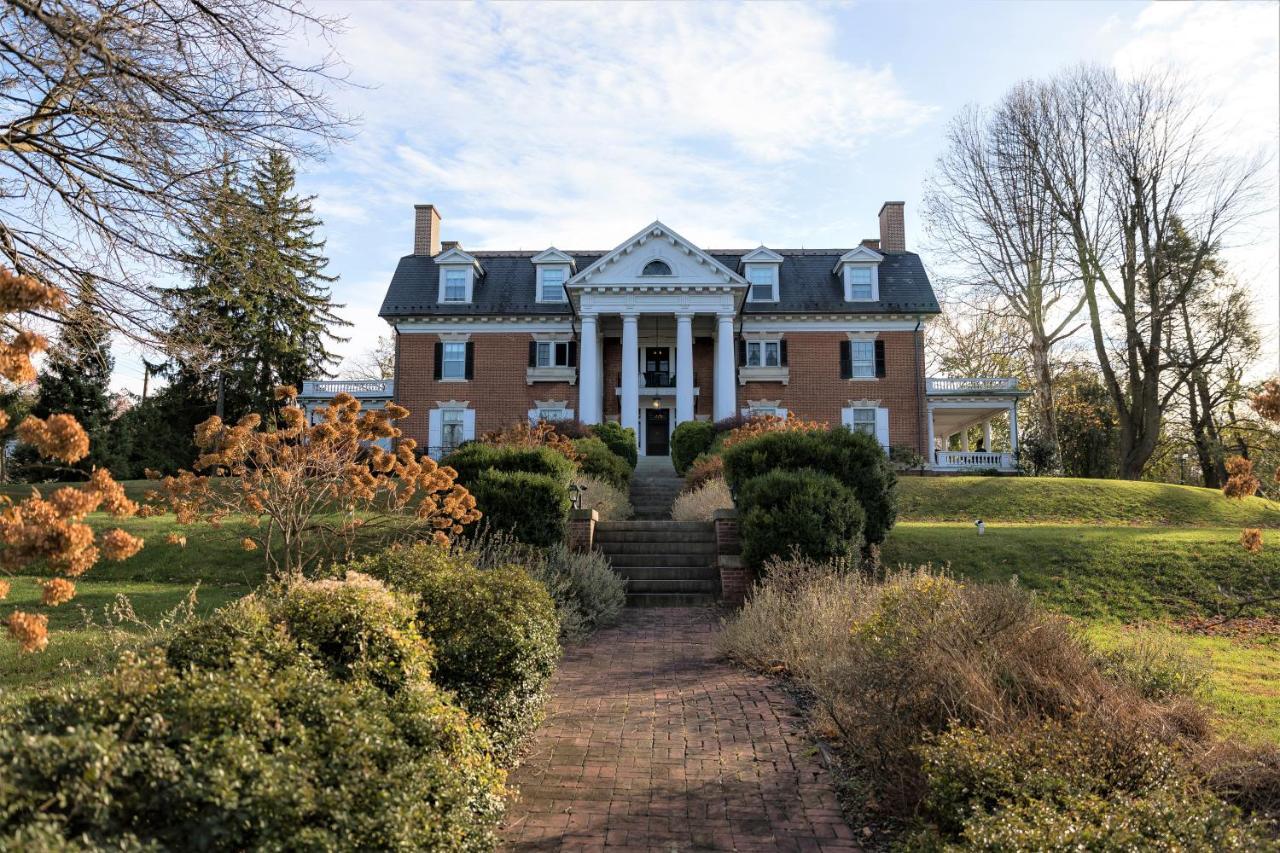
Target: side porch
973, 424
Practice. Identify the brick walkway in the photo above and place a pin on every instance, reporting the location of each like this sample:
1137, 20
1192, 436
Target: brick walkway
653, 744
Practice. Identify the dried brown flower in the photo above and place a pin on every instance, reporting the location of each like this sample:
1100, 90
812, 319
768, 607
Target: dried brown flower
118, 545
1251, 539
58, 437
1241, 484
31, 630
56, 591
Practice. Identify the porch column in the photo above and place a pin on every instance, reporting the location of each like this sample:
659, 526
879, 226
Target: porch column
964, 439
630, 373
932, 456
1013, 429
726, 384
986, 436
589, 393
684, 367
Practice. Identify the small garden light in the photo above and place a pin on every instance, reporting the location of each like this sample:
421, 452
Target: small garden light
981, 525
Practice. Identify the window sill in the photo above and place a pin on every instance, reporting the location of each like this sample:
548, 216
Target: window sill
862, 379
551, 374
764, 374
453, 379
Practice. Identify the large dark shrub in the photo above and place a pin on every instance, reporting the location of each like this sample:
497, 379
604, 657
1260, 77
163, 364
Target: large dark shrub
805, 511
690, 440
495, 634
621, 440
532, 507
854, 458
595, 459
471, 460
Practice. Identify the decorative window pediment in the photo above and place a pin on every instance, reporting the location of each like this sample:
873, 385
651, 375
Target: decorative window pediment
458, 271
860, 270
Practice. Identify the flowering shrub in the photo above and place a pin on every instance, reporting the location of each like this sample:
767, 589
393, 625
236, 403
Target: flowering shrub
542, 434
51, 532
768, 423
311, 489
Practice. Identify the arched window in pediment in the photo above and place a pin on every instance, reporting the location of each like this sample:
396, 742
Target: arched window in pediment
656, 268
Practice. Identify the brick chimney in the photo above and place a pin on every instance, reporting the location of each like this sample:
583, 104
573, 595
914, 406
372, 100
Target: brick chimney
446, 245
872, 243
426, 229
893, 233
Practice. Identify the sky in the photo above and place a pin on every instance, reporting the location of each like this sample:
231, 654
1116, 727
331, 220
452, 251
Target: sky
783, 124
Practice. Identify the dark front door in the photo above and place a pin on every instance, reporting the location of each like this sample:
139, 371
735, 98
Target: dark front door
656, 432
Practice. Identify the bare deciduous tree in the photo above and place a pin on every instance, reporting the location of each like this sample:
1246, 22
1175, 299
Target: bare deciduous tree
377, 362
988, 209
115, 113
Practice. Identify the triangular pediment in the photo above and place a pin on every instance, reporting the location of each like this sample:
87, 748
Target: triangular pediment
552, 256
685, 263
454, 256
761, 255
862, 254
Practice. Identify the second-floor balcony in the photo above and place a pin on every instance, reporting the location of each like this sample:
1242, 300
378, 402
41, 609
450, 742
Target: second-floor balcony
656, 382
359, 388
972, 385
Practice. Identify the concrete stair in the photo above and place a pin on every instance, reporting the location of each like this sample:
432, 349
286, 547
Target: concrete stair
665, 563
654, 486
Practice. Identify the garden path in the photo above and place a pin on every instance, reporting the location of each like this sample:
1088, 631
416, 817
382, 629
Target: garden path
652, 743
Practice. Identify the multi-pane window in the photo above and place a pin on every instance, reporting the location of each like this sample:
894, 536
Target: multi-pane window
864, 420
864, 359
552, 354
860, 283
560, 413
451, 429
453, 362
455, 286
763, 354
552, 286
761, 279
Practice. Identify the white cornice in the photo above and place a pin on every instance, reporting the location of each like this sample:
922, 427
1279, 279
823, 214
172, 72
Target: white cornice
861, 254
561, 323
455, 257
552, 255
761, 255
658, 231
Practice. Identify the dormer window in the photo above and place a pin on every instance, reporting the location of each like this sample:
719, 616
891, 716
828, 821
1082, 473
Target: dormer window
551, 284
554, 269
656, 268
455, 285
458, 272
861, 284
763, 281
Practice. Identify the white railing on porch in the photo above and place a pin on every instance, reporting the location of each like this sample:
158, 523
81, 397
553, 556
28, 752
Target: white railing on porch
355, 387
971, 384
972, 459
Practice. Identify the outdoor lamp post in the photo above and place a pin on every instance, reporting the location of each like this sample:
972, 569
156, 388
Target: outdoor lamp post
575, 495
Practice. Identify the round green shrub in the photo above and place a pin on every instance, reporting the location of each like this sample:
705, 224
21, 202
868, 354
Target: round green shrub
854, 458
621, 440
495, 634
805, 511
472, 460
532, 507
595, 459
255, 755
689, 440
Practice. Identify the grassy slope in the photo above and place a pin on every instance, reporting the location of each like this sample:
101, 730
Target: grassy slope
1057, 500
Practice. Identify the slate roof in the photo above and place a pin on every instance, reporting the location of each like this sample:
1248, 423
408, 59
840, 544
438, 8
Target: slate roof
806, 284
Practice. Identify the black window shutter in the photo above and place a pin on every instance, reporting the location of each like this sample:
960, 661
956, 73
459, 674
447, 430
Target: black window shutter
471, 359
846, 359
439, 358
879, 359
742, 353
573, 354
533, 353
782, 352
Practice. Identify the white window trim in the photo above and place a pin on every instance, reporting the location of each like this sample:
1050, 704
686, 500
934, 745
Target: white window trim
444, 346
468, 271
564, 271
848, 282
435, 423
772, 269
555, 373
671, 270
755, 408
854, 340
748, 373
881, 429
540, 406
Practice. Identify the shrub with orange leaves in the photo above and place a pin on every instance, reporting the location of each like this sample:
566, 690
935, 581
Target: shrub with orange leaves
1267, 401
1251, 539
541, 434
51, 533
769, 423
310, 489
4, 589
1241, 483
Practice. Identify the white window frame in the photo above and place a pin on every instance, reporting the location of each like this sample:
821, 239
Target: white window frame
563, 272
854, 362
670, 273
761, 348
550, 411
874, 270
552, 350
765, 270
867, 423
452, 413
445, 361
468, 282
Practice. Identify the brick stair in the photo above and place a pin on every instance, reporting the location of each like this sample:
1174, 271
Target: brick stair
654, 486
666, 563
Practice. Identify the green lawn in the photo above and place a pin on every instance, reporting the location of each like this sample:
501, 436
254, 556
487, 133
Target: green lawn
1041, 500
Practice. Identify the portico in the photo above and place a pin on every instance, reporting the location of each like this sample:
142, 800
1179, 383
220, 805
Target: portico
656, 294
956, 407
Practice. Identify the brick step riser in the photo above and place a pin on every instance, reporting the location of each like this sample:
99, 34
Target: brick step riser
669, 599
635, 537
641, 587
607, 527
655, 550
668, 559
640, 575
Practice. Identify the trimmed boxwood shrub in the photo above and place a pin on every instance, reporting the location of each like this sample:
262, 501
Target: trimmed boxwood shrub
495, 634
802, 510
621, 440
854, 458
471, 460
533, 508
595, 459
690, 440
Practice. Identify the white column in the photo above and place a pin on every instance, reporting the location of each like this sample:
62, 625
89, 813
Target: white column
932, 455
726, 383
589, 393
964, 439
630, 373
1013, 429
986, 435
684, 367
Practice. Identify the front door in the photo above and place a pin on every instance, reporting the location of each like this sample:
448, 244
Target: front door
656, 432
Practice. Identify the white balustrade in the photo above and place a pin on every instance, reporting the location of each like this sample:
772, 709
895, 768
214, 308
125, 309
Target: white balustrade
971, 384
972, 459
355, 387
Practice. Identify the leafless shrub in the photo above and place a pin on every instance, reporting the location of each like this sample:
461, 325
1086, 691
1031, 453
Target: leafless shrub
701, 504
